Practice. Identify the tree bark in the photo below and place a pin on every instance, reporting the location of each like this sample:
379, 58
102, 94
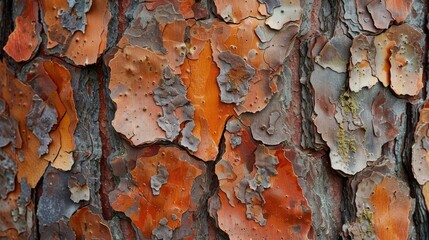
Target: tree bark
210, 119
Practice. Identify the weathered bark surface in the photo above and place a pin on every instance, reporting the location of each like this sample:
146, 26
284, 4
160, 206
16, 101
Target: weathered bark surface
212, 119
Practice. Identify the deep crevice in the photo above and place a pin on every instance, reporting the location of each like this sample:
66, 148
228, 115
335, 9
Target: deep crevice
105, 174
6, 23
37, 193
214, 186
420, 216
426, 51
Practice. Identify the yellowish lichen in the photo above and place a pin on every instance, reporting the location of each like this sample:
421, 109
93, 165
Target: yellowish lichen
366, 223
349, 104
367, 215
345, 142
259, 179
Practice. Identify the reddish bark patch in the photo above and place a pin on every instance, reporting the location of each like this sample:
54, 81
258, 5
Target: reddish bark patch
24, 41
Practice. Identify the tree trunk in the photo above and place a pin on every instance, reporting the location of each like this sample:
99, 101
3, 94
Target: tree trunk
210, 119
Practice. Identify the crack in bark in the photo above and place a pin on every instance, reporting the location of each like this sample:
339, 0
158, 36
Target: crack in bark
214, 185
6, 23
420, 216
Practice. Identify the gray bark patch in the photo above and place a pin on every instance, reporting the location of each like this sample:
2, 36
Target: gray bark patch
8, 170
234, 77
159, 179
40, 121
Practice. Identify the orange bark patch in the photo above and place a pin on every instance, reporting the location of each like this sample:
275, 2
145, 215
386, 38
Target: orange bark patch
198, 39
173, 35
398, 59
146, 209
280, 211
399, 9
203, 92
287, 213
81, 48
88, 225
185, 8
392, 207
244, 42
54, 84
382, 63
236, 162
18, 98
261, 89
135, 73
182, 6
86, 47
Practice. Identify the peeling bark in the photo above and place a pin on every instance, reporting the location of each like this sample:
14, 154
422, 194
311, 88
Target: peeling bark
214, 119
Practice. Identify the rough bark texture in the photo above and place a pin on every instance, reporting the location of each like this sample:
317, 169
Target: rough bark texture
213, 119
